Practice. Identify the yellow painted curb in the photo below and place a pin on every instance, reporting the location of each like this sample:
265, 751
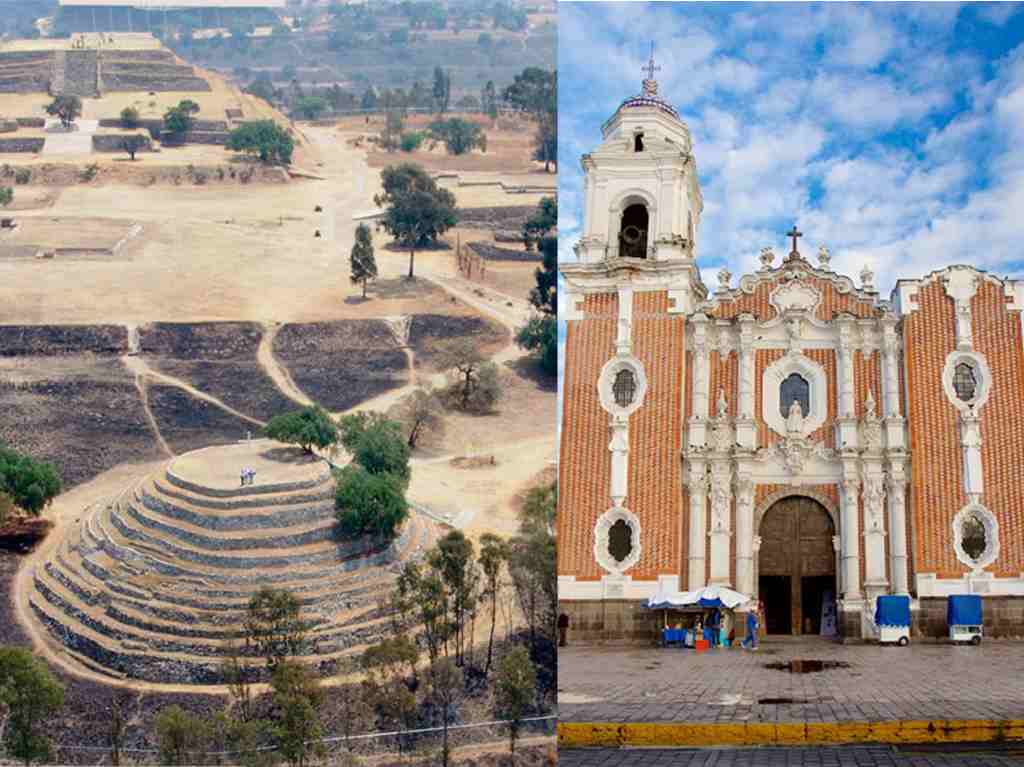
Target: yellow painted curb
616, 734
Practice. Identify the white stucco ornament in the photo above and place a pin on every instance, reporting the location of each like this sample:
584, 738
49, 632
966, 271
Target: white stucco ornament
795, 295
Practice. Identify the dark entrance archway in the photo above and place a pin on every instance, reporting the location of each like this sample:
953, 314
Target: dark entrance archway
633, 234
796, 565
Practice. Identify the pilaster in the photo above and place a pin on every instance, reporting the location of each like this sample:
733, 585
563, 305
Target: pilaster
698, 486
849, 529
721, 508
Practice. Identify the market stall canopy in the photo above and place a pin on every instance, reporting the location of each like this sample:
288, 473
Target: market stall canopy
709, 596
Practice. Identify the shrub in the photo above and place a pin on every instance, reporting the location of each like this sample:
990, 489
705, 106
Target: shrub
411, 141
369, 504
31, 484
130, 117
6, 196
22, 176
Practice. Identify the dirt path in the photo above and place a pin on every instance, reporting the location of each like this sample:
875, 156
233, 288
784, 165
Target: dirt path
139, 367
275, 370
140, 384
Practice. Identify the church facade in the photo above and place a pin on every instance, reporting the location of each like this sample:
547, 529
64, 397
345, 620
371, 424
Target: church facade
790, 435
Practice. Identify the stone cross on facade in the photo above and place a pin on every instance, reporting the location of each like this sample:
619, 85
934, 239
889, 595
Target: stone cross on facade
794, 233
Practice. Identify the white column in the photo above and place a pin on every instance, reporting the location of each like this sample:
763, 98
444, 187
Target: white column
721, 528
701, 375
698, 483
970, 442
846, 409
746, 429
895, 435
897, 485
846, 426
619, 447
850, 554
874, 530
744, 534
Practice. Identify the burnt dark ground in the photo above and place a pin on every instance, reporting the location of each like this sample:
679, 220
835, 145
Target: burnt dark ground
510, 217
494, 253
428, 332
85, 421
188, 423
218, 358
53, 340
340, 364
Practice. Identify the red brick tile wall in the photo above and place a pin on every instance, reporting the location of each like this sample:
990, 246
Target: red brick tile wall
585, 463
655, 435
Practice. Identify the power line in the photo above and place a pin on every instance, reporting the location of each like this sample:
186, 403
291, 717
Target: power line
328, 739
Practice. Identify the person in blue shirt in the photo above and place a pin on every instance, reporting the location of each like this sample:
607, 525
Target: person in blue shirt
752, 626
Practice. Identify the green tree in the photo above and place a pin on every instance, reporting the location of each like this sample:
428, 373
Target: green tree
369, 100
540, 335
274, 626
262, 88
310, 107
420, 413
514, 691
458, 136
447, 688
179, 119
489, 98
377, 444
476, 388
545, 141
298, 698
544, 220
362, 261
442, 91
539, 510
531, 564
535, 92
392, 129
310, 427
6, 196
389, 658
370, 504
264, 138
455, 560
129, 117
133, 144
31, 695
180, 735
416, 210
353, 710
493, 552
31, 484
67, 108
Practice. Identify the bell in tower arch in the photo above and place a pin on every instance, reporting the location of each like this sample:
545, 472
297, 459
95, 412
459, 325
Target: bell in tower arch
633, 234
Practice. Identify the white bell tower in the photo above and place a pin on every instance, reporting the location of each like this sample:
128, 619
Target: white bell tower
642, 196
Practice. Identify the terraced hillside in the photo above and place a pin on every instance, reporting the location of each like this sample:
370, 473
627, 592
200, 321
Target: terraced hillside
153, 585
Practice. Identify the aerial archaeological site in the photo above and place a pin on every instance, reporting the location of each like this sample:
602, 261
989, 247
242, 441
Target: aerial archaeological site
277, 382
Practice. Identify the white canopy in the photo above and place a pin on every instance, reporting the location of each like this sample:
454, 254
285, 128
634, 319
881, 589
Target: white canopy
709, 596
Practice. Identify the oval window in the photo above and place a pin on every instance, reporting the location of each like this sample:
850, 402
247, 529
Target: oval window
972, 537
620, 540
965, 382
624, 388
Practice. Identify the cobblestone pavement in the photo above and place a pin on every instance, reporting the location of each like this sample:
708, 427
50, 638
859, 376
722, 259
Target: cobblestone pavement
831, 756
923, 681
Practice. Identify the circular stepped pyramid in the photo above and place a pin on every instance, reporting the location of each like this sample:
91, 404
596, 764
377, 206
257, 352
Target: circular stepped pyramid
154, 584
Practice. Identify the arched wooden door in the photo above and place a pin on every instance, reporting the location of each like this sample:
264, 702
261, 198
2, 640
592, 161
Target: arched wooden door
796, 565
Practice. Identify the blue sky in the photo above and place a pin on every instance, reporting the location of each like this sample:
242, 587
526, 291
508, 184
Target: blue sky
892, 133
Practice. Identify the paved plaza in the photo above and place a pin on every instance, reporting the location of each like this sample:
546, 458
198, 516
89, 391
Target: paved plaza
838, 756
922, 681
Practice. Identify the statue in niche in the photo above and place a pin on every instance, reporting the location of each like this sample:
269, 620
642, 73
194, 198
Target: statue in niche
795, 419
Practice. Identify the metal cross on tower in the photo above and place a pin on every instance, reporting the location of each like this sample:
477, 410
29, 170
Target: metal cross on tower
794, 233
650, 68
